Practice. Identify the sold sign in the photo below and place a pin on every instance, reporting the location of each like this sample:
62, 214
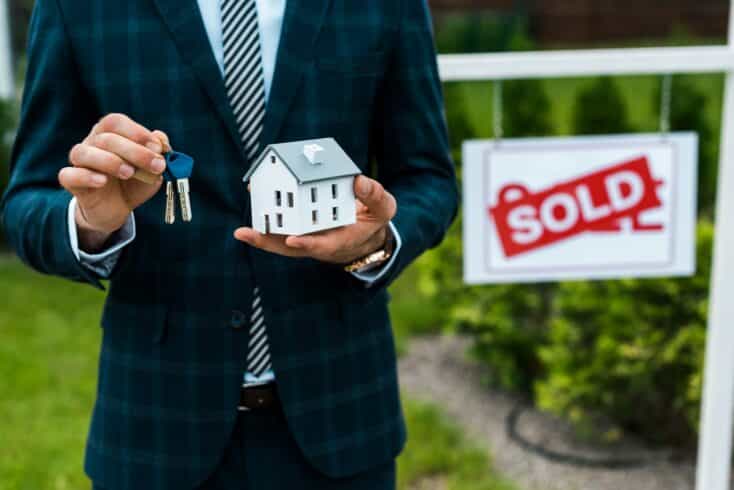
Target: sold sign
596, 201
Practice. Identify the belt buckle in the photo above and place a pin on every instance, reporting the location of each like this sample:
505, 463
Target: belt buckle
242, 408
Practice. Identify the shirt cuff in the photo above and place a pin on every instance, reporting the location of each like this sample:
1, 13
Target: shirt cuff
371, 277
103, 262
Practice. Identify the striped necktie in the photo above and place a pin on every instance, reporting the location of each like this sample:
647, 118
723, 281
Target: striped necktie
243, 79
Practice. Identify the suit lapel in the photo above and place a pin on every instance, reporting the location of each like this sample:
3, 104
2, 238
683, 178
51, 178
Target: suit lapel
301, 26
184, 21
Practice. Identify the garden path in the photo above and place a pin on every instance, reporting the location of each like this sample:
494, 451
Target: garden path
436, 369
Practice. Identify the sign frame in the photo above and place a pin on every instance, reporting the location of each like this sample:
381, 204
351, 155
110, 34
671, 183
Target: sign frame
713, 471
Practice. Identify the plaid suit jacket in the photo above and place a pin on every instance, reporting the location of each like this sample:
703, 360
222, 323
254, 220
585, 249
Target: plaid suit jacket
175, 320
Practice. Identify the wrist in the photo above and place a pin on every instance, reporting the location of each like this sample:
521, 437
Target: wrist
379, 256
384, 236
91, 239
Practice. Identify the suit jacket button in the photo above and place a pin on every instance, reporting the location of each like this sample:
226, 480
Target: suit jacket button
238, 319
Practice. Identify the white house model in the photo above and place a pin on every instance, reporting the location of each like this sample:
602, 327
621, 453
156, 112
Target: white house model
302, 187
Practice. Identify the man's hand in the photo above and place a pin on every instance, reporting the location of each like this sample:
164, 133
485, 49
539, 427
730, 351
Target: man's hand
375, 208
100, 175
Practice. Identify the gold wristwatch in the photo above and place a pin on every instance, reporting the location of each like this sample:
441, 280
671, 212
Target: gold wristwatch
375, 259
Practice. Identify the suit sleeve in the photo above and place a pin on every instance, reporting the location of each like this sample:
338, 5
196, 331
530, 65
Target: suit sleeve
411, 142
56, 113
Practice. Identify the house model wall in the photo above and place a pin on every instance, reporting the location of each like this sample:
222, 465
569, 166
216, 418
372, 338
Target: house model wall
302, 187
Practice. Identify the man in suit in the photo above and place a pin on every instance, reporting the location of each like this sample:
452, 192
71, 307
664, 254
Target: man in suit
230, 359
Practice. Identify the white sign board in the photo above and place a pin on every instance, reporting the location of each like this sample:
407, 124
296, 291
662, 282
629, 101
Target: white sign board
591, 207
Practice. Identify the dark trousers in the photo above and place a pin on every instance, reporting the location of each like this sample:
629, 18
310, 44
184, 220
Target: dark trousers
263, 455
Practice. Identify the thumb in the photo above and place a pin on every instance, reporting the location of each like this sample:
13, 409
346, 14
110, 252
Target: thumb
372, 194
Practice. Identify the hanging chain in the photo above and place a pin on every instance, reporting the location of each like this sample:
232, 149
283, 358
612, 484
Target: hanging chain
497, 111
666, 96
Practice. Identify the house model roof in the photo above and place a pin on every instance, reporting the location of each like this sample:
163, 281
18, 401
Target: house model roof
311, 160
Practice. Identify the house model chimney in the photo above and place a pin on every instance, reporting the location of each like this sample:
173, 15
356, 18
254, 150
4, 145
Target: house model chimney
311, 153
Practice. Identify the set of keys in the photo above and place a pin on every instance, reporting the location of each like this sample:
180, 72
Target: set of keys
178, 170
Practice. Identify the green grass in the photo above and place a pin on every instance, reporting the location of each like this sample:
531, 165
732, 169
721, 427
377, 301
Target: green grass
48, 349
437, 449
411, 313
49, 342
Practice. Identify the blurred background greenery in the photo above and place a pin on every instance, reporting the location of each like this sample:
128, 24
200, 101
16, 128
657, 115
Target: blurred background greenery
627, 352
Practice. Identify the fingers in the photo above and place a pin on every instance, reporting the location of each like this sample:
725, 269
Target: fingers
122, 125
320, 245
79, 180
381, 204
340, 245
163, 138
98, 160
270, 243
138, 150
133, 153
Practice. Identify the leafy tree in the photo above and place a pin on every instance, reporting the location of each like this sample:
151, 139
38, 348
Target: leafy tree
527, 109
20, 14
457, 117
688, 113
600, 109
7, 127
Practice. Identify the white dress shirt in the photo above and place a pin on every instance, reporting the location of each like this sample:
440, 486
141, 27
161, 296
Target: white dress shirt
270, 19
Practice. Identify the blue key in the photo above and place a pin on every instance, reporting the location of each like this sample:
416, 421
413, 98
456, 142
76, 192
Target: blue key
178, 168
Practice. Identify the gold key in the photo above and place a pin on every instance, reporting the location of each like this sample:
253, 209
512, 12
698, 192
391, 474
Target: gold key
148, 177
170, 216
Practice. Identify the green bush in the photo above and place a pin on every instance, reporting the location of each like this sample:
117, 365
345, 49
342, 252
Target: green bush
506, 322
600, 109
480, 32
527, 109
7, 128
630, 350
688, 112
460, 128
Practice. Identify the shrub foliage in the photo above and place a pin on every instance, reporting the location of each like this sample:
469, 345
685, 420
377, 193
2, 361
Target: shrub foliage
631, 350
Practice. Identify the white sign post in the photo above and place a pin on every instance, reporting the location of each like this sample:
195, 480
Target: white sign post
544, 209
7, 79
715, 445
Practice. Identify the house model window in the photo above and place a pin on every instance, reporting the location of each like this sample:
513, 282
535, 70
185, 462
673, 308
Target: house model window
304, 187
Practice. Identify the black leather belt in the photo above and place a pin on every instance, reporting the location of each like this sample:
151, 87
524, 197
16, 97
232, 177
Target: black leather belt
258, 397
